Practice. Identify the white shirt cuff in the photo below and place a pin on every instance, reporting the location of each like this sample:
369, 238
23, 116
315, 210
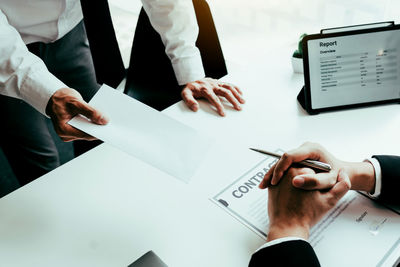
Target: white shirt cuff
280, 240
378, 178
38, 87
188, 69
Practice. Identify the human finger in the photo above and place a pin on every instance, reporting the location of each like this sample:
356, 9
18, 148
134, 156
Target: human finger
68, 133
91, 113
229, 96
340, 188
323, 180
305, 151
236, 87
214, 100
235, 91
267, 178
189, 99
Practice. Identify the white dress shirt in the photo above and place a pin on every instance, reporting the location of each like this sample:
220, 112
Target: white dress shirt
377, 192
378, 178
23, 75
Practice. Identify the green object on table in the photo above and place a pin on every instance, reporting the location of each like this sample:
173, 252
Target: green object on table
300, 46
299, 52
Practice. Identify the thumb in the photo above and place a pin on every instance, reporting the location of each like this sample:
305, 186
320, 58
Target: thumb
91, 113
341, 187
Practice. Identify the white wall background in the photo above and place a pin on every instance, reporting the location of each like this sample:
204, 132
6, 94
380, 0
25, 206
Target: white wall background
259, 23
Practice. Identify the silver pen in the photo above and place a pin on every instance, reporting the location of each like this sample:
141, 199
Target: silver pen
315, 164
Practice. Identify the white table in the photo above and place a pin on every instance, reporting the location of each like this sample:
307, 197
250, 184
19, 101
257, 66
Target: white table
106, 208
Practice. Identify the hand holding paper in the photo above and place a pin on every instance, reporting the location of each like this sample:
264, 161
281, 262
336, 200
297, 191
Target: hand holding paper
63, 105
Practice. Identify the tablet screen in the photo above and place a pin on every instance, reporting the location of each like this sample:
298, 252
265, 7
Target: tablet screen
354, 69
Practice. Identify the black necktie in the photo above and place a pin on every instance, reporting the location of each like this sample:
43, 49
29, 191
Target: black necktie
103, 43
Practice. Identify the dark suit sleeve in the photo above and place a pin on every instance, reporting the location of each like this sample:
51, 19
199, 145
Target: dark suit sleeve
289, 253
390, 167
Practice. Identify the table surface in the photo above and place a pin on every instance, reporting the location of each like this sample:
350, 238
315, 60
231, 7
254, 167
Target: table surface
106, 208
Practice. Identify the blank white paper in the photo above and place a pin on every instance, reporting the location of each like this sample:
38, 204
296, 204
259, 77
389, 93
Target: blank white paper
146, 134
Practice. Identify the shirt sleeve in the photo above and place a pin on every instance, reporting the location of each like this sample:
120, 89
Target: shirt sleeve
378, 177
175, 21
279, 240
22, 74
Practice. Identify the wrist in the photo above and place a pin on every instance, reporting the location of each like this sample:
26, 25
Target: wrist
295, 230
362, 176
60, 96
50, 103
49, 106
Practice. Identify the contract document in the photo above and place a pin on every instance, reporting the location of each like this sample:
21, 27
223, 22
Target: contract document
356, 232
146, 134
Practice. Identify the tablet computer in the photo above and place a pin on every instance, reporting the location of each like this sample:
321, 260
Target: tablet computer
351, 68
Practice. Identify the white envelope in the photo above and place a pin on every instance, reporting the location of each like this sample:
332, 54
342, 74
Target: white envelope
146, 134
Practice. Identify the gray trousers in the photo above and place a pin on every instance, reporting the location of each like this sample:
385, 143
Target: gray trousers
25, 137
